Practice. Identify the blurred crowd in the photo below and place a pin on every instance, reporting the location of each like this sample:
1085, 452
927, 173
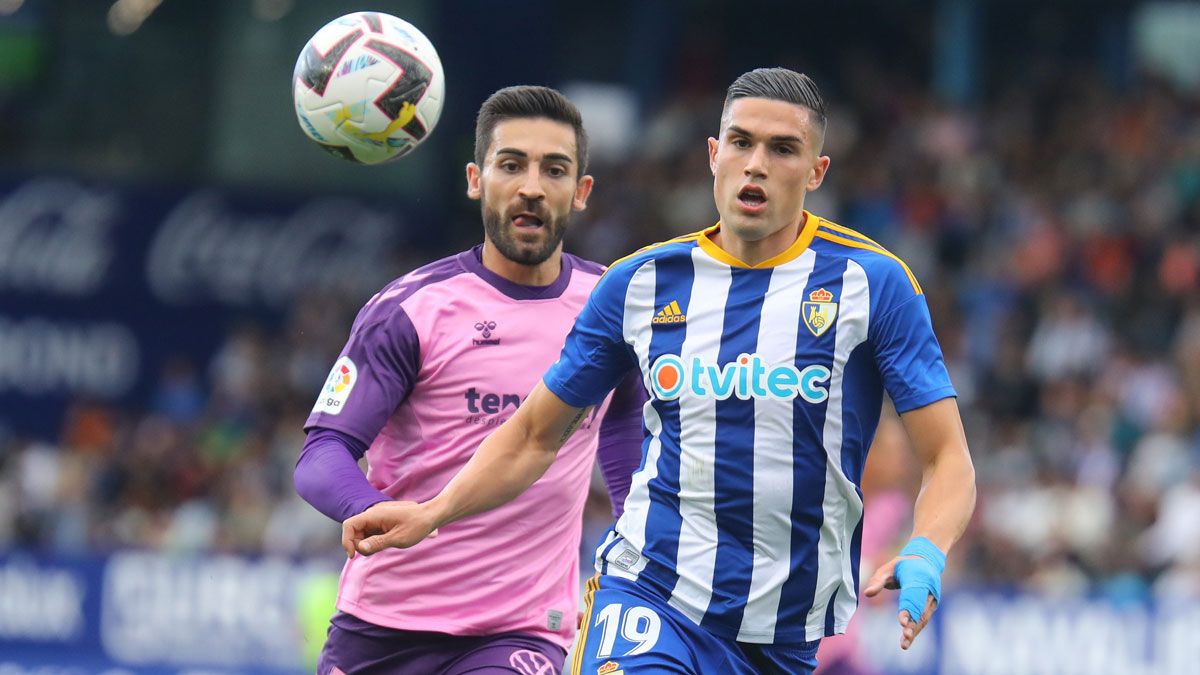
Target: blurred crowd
1055, 228
205, 466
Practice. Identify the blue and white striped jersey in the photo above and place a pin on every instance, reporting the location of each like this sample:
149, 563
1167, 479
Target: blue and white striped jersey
766, 385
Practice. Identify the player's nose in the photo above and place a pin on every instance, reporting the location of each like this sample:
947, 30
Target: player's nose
756, 164
531, 184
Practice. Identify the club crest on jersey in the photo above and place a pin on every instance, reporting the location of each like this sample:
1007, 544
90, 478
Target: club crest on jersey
609, 668
485, 329
819, 311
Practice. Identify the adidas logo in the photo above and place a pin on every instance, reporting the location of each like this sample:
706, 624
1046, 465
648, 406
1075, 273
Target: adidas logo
669, 314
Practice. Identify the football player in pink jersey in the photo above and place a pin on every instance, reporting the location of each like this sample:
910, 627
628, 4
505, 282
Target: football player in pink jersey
437, 360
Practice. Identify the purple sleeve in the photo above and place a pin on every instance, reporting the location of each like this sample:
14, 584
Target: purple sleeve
327, 475
373, 376
620, 448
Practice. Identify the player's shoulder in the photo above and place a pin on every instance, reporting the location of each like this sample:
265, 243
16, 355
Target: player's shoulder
430, 274
878, 262
391, 299
584, 266
662, 250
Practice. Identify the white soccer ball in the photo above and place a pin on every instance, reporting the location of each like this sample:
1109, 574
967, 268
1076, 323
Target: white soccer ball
368, 87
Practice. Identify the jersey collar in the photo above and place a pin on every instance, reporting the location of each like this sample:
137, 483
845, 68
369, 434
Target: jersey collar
472, 260
791, 253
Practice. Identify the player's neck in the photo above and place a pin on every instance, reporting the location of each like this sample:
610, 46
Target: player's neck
542, 274
756, 252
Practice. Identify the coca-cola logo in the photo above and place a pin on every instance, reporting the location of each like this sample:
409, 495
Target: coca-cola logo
55, 238
204, 250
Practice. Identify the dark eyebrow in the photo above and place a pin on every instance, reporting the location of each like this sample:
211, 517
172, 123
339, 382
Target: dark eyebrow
555, 156
733, 128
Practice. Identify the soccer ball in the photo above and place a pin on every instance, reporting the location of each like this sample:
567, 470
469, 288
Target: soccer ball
368, 87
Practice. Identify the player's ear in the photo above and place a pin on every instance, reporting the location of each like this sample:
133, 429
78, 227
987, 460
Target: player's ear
583, 189
474, 191
712, 155
817, 176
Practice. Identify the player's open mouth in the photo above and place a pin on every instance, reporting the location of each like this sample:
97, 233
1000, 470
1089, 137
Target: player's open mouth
752, 198
526, 219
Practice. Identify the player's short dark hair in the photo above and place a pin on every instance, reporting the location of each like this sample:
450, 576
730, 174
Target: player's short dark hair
778, 84
526, 101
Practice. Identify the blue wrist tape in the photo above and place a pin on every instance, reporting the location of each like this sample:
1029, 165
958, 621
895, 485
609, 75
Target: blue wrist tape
920, 577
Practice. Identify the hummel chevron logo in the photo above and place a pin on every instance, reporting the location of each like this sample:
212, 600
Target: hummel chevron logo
669, 314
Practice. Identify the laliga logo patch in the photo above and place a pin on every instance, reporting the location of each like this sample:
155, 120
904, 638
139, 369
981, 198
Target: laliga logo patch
337, 387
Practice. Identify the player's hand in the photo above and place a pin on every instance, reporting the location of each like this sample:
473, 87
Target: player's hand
917, 573
885, 578
387, 525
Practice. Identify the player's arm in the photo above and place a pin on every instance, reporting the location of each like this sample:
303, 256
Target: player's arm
328, 478
505, 465
619, 447
947, 497
943, 508
914, 374
375, 374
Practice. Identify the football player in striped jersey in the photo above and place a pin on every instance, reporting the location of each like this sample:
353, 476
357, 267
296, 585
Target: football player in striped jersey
766, 343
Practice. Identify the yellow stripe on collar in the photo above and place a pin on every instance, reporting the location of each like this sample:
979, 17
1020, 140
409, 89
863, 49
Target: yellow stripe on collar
794, 251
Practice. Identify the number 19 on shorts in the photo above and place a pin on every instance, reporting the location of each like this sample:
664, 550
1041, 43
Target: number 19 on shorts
639, 625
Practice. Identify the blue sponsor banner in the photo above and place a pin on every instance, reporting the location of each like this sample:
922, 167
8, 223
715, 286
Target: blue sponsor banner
984, 632
145, 613
100, 285
139, 612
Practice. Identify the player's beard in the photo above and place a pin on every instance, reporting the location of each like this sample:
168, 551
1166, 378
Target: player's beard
503, 234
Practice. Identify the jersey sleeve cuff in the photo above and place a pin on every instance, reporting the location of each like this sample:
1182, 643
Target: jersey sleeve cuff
922, 399
320, 421
560, 390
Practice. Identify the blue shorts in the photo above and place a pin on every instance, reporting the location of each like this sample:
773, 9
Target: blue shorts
628, 629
